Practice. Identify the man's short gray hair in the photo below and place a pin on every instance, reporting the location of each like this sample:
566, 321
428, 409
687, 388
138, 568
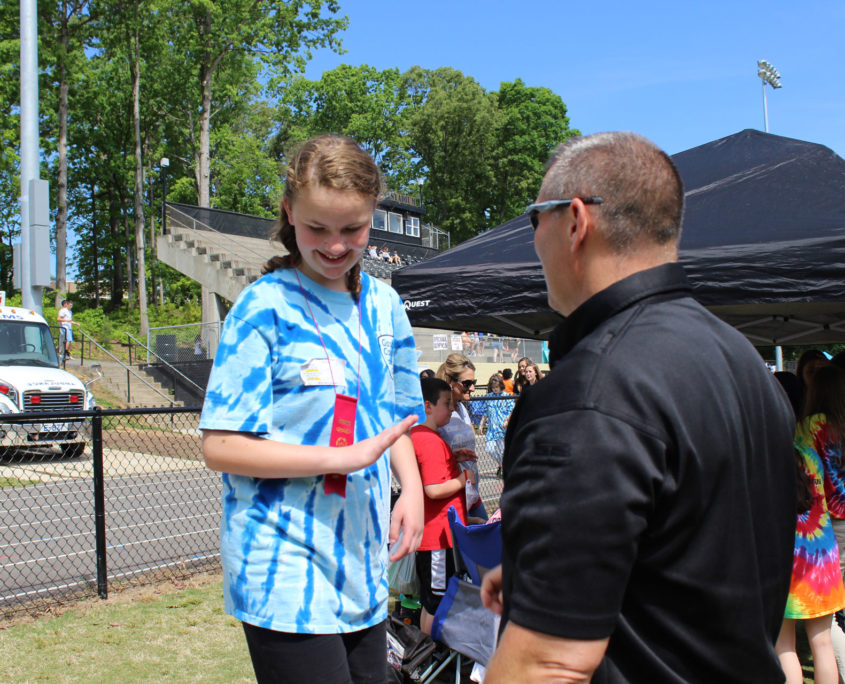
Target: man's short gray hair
642, 190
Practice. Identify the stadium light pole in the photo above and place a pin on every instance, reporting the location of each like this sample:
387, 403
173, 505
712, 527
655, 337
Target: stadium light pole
768, 74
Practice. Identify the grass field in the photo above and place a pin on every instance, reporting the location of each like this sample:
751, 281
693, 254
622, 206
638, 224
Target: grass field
163, 633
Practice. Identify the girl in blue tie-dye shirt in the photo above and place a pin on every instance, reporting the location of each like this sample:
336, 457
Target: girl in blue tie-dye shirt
306, 473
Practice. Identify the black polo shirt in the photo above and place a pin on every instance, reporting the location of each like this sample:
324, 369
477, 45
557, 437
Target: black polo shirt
650, 490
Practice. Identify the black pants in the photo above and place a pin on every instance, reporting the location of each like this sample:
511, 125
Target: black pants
353, 658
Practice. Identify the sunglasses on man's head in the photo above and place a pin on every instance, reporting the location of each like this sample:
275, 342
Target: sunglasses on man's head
534, 210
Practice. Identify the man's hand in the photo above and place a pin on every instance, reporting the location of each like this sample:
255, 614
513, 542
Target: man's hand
491, 590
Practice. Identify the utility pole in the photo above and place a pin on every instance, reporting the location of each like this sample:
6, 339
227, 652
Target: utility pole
32, 262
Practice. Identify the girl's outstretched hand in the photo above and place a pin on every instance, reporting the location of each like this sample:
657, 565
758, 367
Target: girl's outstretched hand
367, 452
408, 517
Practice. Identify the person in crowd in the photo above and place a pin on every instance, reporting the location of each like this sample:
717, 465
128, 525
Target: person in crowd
519, 376
426, 373
459, 433
497, 410
395, 258
816, 590
648, 510
808, 363
507, 379
444, 486
496, 346
532, 374
384, 254
302, 406
527, 373
372, 252
66, 323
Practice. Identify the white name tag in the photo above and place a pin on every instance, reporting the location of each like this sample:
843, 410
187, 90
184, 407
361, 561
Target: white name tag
319, 372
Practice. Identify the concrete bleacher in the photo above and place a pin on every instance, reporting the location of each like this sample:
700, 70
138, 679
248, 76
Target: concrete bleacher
225, 263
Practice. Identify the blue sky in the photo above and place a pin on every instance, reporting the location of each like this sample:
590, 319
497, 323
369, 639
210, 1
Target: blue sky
680, 73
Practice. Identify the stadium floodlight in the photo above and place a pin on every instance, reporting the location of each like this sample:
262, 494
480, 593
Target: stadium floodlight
768, 74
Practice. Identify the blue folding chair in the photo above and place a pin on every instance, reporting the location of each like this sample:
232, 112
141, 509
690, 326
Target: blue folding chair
461, 621
477, 548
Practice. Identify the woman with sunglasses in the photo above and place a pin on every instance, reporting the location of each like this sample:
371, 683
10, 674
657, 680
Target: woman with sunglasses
459, 434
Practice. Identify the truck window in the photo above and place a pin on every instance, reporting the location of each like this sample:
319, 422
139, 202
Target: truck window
24, 344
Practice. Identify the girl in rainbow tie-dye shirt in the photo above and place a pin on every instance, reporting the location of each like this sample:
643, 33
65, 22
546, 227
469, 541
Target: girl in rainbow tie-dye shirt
816, 590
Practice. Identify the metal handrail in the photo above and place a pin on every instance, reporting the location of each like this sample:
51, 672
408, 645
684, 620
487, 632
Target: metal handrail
128, 369
164, 361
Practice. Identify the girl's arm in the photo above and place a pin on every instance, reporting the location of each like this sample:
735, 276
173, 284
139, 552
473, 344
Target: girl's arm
408, 510
443, 490
241, 453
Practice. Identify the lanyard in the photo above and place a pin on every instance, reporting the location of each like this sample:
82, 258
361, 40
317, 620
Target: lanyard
343, 418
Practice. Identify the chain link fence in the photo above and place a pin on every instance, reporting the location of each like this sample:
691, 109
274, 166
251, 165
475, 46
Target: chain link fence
182, 343
135, 506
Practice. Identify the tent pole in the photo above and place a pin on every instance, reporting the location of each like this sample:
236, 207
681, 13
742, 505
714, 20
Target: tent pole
779, 357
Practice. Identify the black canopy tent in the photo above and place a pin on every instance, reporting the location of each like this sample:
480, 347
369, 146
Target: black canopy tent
763, 244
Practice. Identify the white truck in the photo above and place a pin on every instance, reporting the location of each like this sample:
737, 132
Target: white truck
32, 382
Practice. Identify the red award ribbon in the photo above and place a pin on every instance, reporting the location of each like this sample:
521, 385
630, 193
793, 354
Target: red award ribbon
343, 434
343, 421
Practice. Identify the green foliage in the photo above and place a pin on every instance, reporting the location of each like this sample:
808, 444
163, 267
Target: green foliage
532, 123
481, 154
245, 177
452, 132
201, 67
358, 101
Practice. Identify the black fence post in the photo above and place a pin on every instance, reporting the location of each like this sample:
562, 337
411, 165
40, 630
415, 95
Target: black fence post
99, 504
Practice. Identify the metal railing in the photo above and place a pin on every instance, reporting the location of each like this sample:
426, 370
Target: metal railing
132, 339
136, 506
184, 342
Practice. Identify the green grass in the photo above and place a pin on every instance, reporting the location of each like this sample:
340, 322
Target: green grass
148, 635
153, 634
9, 482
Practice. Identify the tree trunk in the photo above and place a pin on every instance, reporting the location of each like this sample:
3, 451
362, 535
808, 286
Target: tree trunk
61, 213
139, 183
114, 262
203, 167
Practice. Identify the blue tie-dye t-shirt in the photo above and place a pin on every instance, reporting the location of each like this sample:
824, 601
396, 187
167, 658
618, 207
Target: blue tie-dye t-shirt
294, 558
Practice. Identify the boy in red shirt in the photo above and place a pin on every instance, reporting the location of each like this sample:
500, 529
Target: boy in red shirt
444, 486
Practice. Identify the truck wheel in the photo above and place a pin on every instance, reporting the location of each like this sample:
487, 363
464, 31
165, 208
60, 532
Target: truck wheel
73, 450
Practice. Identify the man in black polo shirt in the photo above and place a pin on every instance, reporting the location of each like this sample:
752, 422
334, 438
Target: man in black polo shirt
649, 502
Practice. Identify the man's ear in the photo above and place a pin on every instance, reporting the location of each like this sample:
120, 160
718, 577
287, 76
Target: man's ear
582, 226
